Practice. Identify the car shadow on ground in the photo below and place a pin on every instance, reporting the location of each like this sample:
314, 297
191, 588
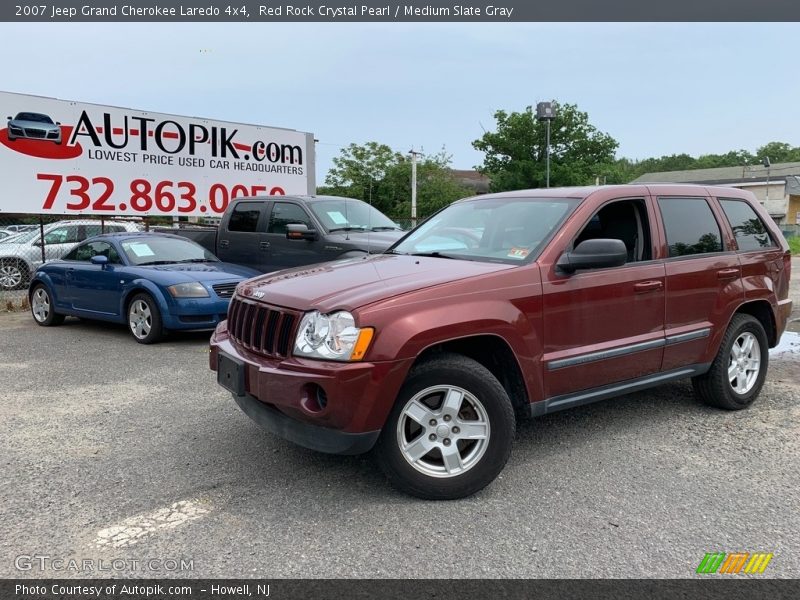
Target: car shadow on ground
120, 331
538, 442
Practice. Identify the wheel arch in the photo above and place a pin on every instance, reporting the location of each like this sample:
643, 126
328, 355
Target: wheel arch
762, 311
143, 286
493, 352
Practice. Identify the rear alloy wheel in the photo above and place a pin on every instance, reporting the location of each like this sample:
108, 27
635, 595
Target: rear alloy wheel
12, 275
740, 367
450, 433
144, 320
42, 308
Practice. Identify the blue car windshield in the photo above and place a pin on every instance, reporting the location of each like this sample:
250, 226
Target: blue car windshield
142, 251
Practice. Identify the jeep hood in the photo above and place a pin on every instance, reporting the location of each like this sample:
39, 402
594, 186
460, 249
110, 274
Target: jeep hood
349, 284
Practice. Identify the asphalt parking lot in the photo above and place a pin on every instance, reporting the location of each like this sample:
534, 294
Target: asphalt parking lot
113, 451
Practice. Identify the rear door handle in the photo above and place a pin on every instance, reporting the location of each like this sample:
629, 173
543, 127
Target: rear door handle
224, 243
263, 246
647, 286
728, 273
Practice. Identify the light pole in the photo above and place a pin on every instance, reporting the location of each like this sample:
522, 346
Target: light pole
545, 111
413, 187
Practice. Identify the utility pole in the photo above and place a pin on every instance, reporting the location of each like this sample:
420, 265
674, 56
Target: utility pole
767, 164
545, 111
413, 187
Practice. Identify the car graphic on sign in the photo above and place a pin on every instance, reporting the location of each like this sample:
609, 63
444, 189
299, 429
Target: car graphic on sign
33, 126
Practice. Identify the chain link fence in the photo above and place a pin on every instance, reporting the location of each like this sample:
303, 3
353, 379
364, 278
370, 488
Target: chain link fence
27, 241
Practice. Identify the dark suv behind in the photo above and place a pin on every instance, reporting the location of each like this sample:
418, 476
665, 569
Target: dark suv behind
504, 306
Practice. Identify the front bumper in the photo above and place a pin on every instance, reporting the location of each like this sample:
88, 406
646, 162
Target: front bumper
307, 435
282, 395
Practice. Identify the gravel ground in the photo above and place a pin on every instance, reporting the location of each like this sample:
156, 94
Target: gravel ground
113, 450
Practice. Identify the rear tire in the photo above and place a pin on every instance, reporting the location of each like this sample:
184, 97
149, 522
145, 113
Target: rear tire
42, 307
144, 319
740, 367
450, 432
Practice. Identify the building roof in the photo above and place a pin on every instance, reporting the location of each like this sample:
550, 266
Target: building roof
742, 174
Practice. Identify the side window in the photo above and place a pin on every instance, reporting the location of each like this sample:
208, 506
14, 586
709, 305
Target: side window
748, 228
690, 226
624, 220
245, 217
91, 231
285, 213
62, 235
85, 252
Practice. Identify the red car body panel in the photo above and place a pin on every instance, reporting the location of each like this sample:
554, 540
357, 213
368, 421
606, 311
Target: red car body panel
567, 332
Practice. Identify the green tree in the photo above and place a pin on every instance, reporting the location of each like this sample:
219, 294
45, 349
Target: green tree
516, 151
778, 152
375, 173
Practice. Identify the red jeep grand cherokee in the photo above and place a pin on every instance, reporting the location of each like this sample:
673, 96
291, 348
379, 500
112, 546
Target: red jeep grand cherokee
503, 306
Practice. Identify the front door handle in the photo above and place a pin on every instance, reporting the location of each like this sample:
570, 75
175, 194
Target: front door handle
224, 243
732, 273
647, 286
263, 246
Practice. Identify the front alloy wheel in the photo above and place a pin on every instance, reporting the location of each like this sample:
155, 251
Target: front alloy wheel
443, 431
144, 320
11, 276
450, 432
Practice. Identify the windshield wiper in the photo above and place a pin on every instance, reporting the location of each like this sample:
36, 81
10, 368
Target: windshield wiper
156, 262
386, 228
351, 228
195, 260
435, 255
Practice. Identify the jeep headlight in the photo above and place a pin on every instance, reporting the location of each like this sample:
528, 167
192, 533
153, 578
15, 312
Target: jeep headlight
332, 337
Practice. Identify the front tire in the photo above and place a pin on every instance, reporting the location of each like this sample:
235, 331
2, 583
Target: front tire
42, 307
450, 432
740, 367
14, 274
144, 319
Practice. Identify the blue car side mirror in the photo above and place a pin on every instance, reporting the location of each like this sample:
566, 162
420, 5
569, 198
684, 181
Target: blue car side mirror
100, 260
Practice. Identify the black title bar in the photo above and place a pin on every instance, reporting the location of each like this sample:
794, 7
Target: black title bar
405, 11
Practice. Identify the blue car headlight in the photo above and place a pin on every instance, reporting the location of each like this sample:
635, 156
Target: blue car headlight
188, 290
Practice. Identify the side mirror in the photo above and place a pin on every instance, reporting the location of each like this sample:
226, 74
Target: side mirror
99, 259
58, 122
9, 118
594, 254
299, 231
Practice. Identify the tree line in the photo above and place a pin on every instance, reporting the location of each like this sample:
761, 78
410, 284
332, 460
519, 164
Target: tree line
515, 158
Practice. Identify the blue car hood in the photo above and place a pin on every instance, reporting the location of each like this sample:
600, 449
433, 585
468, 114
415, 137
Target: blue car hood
206, 272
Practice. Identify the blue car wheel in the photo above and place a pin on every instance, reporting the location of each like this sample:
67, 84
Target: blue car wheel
42, 307
144, 320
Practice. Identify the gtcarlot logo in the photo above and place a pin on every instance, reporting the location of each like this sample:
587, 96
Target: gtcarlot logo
45, 562
734, 562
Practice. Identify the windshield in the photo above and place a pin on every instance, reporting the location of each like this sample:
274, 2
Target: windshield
342, 215
143, 251
34, 117
508, 230
23, 238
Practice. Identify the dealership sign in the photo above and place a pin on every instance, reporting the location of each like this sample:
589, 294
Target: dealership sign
65, 157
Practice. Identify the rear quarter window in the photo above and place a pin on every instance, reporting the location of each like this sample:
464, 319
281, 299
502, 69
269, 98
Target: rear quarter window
747, 226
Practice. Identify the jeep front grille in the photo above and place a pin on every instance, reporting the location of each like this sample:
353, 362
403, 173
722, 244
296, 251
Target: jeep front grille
264, 329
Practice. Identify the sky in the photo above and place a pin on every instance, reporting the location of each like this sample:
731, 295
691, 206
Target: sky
656, 88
